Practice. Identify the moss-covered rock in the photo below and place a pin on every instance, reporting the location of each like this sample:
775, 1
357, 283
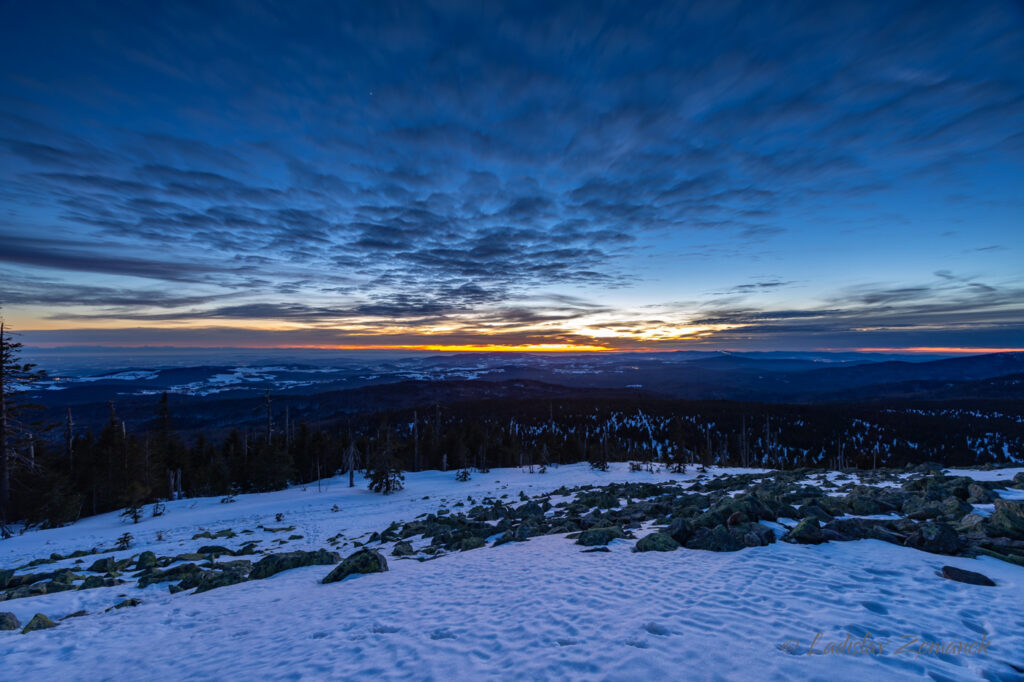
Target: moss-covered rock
472, 542
1007, 520
934, 537
146, 560
215, 550
717, 539
599, 536
172, 574
8, 621
807, 532
38, 622
273, 564
402, 548
363, 561
656, 542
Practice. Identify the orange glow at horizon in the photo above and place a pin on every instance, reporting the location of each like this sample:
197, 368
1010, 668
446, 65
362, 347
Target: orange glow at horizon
485, 348
939, 349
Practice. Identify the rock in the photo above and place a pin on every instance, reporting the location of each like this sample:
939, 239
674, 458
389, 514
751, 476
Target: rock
978, 494
191, 556
177, 573
656, 542
813, 511
472, 542
216, 550
211, 580
38, 622
680, 530
8, 621
756, 535
862, 504
595, 549
807, 532
735, 519
1007, 520
934, 537
275, 563
76, 614
1018, 480
919, 509
125, 604
402, 549
530, 510
146, 560
5, 578
718, 539
969, 577
970, 523
105, 565
599, 536
92, 582
363, 561
955, 508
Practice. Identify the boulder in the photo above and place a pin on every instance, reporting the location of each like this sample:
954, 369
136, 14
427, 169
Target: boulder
955, 508
92, 582
176, 573
529, 510
719, 539
146, 560
934, 537
402, 549
756, 535
211, 580
472, 542
1007, 520
970, 523
38, 622
363, 561
127, 603
216, 550
5, 577
813, 511
978, 494
807, 532
105, 565
8, 621
273, 564
680, 530
656, 542
599, 536
863, 504
969, 577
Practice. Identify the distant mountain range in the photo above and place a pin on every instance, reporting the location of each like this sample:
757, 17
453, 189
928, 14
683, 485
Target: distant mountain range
217, 394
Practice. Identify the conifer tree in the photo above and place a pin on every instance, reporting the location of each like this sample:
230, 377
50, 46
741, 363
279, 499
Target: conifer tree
15, 378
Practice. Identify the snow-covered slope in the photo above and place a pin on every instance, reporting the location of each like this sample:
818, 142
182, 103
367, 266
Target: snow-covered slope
541, 609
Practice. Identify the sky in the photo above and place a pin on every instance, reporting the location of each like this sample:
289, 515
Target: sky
549, 175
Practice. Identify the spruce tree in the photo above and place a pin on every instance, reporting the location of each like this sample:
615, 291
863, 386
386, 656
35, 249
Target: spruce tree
15, 378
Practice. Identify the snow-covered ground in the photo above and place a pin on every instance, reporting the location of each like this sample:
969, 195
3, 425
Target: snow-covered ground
541, 609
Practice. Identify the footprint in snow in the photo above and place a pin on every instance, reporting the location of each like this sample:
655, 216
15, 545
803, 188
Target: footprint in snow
441, 634
875, 607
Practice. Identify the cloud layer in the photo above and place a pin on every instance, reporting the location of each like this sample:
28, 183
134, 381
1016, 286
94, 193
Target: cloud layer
611, 173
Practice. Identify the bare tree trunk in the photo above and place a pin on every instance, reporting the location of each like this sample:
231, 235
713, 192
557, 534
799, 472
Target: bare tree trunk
69, 441
415, 441
5, 455
268, 416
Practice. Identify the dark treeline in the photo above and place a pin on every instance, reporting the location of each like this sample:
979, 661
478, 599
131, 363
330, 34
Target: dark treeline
68, 474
